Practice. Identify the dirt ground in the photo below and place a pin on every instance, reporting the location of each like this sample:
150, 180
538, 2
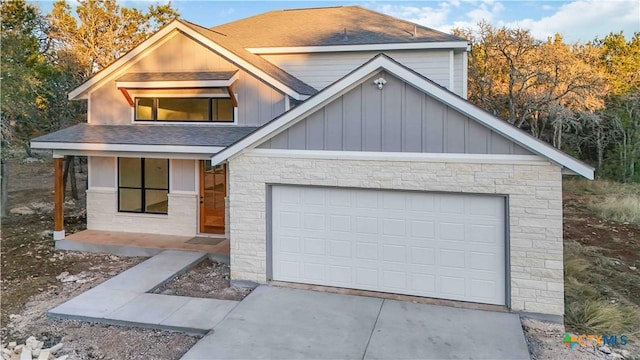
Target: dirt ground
29, 266
208, 279
612, 252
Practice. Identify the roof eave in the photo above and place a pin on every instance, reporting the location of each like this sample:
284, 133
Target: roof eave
172, 29
159, 148
383, 62
443, 45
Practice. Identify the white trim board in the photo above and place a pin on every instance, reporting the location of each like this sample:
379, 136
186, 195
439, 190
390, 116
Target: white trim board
382, 62
175, 27
126, 147
116, 154
459, 45
401, 156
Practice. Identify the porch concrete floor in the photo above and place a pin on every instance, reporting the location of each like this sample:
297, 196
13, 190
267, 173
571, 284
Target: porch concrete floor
138, 244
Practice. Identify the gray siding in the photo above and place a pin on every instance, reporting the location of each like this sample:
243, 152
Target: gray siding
400, 118
322, 69
257, 102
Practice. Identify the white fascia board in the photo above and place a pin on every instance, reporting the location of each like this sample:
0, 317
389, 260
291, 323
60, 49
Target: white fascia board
79, 92
498, 125
125, 147
462, 45
114, 154
402, 156
241, 62
449, 98
176, 84
172, 84
284, 121
147, 45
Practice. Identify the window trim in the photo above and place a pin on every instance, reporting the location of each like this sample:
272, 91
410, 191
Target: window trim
209, 97
143, 188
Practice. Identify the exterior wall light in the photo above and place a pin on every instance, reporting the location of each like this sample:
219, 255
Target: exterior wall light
380, 82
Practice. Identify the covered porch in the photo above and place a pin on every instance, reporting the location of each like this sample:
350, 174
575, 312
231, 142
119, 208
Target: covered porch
150, 188
142, 244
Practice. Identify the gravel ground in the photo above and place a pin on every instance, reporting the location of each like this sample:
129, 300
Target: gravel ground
84, 340
545, 342
208, 279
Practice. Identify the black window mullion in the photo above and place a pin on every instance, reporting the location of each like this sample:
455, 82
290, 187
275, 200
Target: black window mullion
155, 109
143, 185
210, 109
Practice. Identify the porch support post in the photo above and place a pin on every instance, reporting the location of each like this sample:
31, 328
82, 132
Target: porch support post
58, 198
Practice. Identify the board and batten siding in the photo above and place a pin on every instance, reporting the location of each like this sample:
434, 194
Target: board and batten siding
322, 69
257, 101
398, 118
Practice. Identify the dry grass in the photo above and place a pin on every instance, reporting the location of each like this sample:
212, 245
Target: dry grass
600, 317
612, 201
599, 187
586, 312
620, 209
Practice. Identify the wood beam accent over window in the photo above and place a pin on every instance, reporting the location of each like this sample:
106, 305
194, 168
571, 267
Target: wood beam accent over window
234, 101
58, 199
127, 96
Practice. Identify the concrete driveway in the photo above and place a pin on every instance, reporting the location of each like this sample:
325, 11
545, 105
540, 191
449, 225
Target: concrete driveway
282, 323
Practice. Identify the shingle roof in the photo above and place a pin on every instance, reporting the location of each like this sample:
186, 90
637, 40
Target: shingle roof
178, 76
182, 135
236, 48
325, 27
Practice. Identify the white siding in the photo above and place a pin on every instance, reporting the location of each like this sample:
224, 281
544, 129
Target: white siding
102, 172
322, 69
257, 101
183, 175
459, 71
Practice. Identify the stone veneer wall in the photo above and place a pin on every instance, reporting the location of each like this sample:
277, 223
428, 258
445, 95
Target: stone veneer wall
102, 214
534, 192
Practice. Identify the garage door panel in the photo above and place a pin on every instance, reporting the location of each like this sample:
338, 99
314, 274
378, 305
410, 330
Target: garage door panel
341, 223
366, 251
366, 225
452, 205
425, 244
422, 229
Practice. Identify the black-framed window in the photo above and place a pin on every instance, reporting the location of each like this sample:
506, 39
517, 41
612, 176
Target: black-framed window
143, 185
196, 109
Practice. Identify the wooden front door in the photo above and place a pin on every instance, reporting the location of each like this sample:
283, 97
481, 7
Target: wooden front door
213, 190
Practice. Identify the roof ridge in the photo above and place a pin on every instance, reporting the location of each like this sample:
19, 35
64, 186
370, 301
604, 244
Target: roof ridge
323, 26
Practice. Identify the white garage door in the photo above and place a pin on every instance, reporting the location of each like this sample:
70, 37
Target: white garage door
447, 246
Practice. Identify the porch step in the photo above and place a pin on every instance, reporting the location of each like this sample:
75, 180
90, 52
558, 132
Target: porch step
121, 250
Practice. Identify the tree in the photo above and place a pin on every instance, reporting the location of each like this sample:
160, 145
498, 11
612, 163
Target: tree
105, 30
22, 66
530, 83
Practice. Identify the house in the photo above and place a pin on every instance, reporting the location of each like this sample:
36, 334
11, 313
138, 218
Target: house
331, 146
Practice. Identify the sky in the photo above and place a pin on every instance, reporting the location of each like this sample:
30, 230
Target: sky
576, 21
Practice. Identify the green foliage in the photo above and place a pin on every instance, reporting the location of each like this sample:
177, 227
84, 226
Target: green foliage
23, 68
581, 98
43, 58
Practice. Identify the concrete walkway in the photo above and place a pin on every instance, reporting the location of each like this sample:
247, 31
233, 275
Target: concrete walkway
282, 323
123, 299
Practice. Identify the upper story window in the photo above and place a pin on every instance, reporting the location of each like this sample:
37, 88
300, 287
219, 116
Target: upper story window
217, 109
